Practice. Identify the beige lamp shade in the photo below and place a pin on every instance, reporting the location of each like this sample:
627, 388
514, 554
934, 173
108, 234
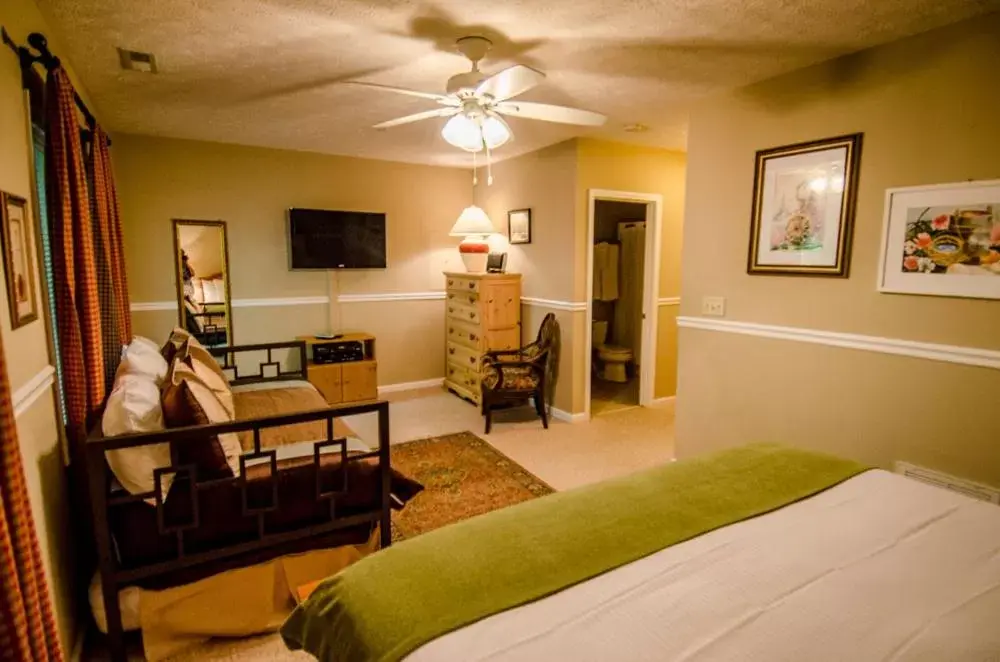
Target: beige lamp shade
472, 221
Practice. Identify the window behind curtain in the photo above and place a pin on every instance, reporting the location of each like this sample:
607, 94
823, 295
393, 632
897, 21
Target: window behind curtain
38, 140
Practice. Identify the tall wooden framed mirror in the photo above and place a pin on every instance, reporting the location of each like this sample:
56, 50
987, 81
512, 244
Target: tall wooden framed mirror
201, 265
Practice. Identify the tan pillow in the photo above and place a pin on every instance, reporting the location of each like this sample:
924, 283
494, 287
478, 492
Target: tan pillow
194, 395
202, 356
134, 406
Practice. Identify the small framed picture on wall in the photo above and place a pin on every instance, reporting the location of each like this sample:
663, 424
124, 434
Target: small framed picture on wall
942, 240
17, 252
519, 226
804, 197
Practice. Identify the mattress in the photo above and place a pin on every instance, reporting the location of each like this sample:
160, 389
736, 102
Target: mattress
877, 568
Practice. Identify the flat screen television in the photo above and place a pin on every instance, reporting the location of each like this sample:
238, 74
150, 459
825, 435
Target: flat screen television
320, 239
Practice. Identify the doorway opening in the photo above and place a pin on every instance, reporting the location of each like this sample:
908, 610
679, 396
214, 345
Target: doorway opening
621, 312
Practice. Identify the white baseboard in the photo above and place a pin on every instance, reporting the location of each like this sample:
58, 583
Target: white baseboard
663, 401
561, 415
410, 386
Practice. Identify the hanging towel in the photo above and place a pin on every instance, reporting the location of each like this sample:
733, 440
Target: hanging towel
605, 272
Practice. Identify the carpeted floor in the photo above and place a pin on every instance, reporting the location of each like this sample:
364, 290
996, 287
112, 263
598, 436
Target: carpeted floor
564, 456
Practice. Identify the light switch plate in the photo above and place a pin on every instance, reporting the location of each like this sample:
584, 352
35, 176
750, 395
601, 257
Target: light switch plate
713, 306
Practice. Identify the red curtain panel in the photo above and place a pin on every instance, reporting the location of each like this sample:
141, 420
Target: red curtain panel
109, 217
27, 624
78, 312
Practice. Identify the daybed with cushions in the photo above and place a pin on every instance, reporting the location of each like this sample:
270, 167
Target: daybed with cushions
198, 468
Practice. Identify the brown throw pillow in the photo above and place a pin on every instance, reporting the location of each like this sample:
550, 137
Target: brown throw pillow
177, 338
193, 395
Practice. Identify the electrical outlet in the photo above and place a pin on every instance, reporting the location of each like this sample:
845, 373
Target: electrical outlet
713, 306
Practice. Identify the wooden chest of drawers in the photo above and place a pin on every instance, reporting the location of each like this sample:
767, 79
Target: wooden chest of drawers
482, 313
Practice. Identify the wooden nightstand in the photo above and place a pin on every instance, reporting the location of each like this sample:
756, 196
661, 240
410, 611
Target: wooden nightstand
351, 381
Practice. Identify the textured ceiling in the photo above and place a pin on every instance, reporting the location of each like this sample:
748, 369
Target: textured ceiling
261, 72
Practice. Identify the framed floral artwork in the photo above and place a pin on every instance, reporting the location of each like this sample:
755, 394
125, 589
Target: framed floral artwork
17, 252
942, 240
803, 208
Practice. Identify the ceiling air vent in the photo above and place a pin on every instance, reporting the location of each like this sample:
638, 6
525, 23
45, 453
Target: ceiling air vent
137, 61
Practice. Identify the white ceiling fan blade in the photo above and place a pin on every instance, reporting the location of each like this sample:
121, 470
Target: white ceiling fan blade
510, 82
416, 117
440, 98
549, 113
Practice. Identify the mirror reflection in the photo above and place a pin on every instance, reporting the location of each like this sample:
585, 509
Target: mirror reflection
203, 280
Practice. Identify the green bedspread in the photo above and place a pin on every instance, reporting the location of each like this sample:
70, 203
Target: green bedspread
389, 604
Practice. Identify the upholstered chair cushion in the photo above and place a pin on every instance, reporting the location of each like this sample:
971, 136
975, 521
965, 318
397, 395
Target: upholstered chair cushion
514, 377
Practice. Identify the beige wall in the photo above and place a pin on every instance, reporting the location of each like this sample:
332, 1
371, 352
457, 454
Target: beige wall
26, 349
927, 106
623, 167
554, 182
251, 189
544, 181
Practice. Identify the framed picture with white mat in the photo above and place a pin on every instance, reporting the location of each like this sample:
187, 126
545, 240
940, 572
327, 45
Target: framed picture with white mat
942, 240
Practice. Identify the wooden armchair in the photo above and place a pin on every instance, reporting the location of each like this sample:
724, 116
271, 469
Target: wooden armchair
519, 374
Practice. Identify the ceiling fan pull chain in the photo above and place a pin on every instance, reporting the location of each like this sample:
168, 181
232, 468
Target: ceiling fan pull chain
489, 167
475, 173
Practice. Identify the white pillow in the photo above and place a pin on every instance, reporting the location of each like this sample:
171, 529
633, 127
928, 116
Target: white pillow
211, 291
134, 406
142, 357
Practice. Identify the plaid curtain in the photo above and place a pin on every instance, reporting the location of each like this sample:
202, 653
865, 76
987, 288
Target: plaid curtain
78, 309
27, 624
112, 287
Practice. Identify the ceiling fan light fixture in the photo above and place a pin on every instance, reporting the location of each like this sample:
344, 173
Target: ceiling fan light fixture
495, 132
463, 132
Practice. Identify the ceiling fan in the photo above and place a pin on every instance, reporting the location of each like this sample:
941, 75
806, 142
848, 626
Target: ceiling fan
476, 102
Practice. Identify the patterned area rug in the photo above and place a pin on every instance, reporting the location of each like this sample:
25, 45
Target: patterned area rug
463, 477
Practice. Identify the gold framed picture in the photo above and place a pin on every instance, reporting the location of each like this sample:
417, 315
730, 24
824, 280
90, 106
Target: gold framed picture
17, 252
804, 198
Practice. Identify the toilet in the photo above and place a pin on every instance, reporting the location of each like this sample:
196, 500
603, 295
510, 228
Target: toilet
612, 360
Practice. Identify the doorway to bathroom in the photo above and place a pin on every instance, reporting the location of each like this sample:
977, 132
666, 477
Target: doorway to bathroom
621, 322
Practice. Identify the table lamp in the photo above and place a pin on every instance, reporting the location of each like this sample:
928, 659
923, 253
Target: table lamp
475, 226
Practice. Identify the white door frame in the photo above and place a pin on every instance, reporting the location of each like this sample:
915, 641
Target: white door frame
650, 287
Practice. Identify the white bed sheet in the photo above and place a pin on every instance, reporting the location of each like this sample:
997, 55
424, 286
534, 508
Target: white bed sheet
878, 568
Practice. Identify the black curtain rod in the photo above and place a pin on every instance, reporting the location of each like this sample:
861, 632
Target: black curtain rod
37, 41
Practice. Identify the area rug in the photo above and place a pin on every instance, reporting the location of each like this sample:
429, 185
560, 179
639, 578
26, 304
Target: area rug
463, 476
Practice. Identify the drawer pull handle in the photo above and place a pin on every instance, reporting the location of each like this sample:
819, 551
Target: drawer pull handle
472, 286
451, 350
472, 360
451, 282
473, 336
491, 300
510, 301
451, 331
472, 316
451, 310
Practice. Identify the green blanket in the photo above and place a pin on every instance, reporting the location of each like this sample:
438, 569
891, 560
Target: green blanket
389, 604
